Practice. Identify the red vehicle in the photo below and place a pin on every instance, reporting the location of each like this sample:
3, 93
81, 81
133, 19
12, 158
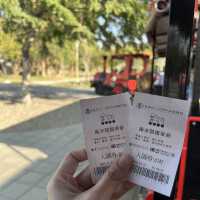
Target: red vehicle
116, 81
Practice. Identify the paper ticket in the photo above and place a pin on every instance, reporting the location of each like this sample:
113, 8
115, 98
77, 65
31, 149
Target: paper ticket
149, 127
156, 134
105, 124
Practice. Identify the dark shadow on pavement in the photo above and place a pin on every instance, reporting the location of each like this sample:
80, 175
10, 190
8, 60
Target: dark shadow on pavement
12, 92
61, 117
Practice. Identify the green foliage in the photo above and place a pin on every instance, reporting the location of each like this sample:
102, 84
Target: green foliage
62, 55
123, 22
44, 18
51, 28
16, 20
9, 48
90, 56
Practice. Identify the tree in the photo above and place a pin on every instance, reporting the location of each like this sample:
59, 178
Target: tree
33, 21
51, 24
120, 22
114, 22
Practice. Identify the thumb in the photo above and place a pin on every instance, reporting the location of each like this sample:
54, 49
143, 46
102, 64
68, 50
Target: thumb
114, 176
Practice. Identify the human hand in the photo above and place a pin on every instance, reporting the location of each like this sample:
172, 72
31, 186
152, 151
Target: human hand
114, 183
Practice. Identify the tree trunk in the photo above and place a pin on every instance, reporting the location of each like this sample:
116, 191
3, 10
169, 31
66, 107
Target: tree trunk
38, 69
87, 70
44, 71
61, 70
26, 96
77, 61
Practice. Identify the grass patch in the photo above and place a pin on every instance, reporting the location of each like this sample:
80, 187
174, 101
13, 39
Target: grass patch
10, 78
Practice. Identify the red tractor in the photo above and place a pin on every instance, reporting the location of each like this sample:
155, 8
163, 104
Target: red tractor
116, 81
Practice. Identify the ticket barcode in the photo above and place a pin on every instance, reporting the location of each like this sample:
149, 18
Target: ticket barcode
99, 171
157, 176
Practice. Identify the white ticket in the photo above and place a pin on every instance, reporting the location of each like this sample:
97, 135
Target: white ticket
150, 127
105, 124
156, 134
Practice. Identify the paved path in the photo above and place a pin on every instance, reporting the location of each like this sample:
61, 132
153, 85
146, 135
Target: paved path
51, 107
28, 160
31, 151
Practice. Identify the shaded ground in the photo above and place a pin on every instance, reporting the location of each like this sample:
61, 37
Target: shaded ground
63, 102
10, 92
41, 115
33, 139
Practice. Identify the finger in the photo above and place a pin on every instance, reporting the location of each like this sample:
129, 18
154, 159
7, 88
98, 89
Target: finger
115, 175
84, 179
122, 189
71, 161
64, 173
